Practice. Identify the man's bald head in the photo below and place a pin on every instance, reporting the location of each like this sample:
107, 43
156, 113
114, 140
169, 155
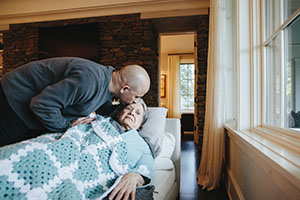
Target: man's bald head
136, 77
129, 83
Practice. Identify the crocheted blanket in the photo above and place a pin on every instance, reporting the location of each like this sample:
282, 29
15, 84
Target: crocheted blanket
82, 163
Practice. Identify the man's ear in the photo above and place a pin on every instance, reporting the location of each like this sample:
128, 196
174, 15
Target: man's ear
124, 88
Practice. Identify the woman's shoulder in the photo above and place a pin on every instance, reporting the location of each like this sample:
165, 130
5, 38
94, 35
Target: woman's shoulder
134, 134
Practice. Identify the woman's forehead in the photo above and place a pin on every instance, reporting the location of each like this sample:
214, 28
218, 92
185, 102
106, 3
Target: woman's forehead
136, 106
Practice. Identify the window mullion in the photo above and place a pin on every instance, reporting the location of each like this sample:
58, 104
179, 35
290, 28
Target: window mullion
282, 80
257, 51
243, 66
263, 64
281, 52
252, 64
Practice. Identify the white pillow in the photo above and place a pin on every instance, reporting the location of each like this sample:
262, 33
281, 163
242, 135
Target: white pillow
168, 146
161, 163
163, 160
154, 128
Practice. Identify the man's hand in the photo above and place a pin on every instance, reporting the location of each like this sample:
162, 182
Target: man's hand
82, 120
127, 187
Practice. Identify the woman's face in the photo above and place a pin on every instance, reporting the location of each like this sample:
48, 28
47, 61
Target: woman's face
132, 116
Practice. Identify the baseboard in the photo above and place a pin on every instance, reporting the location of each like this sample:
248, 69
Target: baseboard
233, 190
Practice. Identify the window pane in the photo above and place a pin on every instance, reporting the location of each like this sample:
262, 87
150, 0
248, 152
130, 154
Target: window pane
272, 80
186, 87
292, 73
231, 62
289, 7
271, 16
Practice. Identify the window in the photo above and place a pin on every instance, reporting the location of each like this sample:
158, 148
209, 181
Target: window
231, 62
272, 98
268, 81
292, 73
281, 63
186, 87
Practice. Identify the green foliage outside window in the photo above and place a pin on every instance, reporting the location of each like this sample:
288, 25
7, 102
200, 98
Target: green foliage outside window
186, 86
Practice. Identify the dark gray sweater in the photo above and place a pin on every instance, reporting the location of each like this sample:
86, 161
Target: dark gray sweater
52, 92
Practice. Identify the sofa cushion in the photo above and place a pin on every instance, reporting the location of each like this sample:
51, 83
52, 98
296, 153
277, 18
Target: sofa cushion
163, 180
168, 145
154, 128
161, 163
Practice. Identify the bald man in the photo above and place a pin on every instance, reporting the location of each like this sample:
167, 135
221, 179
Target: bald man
47, 95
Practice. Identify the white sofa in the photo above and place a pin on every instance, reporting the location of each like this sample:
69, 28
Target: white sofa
166, 172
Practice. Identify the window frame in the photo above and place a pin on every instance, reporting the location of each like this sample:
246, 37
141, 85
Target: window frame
283, 136
278, 32
250, 82
279, 147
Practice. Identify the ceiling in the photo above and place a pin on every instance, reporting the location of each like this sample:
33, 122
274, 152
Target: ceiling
177, 43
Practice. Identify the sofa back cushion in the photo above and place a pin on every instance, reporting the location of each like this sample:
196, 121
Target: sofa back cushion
154, 128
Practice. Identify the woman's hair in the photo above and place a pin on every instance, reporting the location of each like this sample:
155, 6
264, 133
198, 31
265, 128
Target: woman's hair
115, 114
145, 116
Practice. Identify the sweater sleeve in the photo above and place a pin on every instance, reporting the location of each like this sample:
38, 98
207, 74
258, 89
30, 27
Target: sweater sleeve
49, 104
144, 166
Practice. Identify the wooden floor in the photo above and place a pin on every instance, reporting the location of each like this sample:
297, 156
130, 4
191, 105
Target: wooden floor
189, 189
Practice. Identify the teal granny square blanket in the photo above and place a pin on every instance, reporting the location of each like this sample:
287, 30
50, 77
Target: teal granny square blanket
82, 163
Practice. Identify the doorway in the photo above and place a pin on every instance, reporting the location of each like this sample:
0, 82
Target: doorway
177, 69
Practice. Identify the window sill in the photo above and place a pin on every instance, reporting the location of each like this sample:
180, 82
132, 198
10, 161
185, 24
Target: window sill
283, 157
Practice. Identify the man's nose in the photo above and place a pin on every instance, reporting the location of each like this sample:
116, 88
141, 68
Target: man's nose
136, 99
131, 102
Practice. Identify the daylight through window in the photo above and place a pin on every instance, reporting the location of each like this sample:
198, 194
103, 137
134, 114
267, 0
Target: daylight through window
282, 63
186, 87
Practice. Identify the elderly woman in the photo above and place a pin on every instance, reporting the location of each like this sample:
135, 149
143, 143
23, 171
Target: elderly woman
95, 159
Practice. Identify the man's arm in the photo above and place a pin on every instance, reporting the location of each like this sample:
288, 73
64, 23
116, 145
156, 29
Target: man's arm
49, 104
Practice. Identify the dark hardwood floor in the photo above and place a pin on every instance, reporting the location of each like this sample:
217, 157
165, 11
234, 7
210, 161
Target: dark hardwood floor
189, 189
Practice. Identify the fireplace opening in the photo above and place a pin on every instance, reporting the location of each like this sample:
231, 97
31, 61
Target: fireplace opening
81, 40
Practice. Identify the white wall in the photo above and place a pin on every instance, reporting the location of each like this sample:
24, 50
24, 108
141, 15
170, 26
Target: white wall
252, 175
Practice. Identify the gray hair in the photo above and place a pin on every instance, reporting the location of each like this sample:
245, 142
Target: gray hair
145, 115
115, 114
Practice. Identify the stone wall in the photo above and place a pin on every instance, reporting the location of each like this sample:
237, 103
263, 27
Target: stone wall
202, 40
124, 39
1, 57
